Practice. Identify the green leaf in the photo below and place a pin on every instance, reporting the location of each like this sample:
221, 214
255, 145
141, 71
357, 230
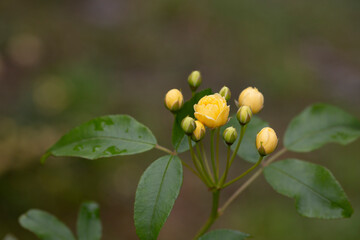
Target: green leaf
316, 192
89, 224
157, 191
247, 148
222, 234
179, 139
104, 137
320, 124
45, 225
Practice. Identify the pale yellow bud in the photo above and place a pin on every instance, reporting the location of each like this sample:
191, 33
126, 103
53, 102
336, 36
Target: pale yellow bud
188, 125
199, 132
230, 135
174, 100
266, 141
194, 80
253, 98
244, 115
225, 93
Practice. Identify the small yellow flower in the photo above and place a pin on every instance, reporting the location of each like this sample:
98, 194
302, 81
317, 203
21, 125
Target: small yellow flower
174, 100
212, 111
253, 98
199, 132
266, 141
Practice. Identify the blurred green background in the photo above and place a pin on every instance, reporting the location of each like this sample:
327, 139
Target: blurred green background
65, 62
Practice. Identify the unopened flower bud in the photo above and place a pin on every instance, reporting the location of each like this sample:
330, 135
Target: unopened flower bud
230, 135
174, 100
225, 92
194, 80
253, 98
199, 132
244, 115
188, 125
266, 141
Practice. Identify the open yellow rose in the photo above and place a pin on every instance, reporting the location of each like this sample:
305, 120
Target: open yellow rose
212, 111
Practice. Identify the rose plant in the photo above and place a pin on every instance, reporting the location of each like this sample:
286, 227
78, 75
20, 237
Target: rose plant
316, 192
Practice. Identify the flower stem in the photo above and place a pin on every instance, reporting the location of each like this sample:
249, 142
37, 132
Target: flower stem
217, 152
212, 155
245, 173
250, 180
190, 168
242, 132
213, 215
206, 161
223, 178
206, 173
197, 164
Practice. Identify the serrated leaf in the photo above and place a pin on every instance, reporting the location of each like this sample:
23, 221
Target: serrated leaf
106, 136
247, 148
222, 234
45, 225
316, 192
179, 139
157, 191
320, 124
89, 224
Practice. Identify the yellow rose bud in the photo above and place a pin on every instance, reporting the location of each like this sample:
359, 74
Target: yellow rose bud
174, 100
253, 98
212, 111
225, 92
230, 135
194, 80
199, 132
244, 115
188, 125
266, 141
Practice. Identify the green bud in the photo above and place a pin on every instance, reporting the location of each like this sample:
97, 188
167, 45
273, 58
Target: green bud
230, 135
188, 125
244, 115
194, 80
225, 92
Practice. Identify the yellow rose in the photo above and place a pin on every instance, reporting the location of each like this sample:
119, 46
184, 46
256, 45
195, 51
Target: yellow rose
212, 111
266, 141
199, 132
253, 98
174, 100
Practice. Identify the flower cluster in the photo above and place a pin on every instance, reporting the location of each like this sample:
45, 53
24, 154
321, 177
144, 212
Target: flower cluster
213, 111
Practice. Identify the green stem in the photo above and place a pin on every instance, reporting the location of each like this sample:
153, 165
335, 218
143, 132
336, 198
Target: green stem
248, 182
206, 173
217, 152
206, 162
245, 173
197, 164
190, 168
223, 178
242, 132
212, 155
164, 149
213, 215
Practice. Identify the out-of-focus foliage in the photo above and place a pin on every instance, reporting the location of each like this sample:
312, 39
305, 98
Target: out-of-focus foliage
65, 62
